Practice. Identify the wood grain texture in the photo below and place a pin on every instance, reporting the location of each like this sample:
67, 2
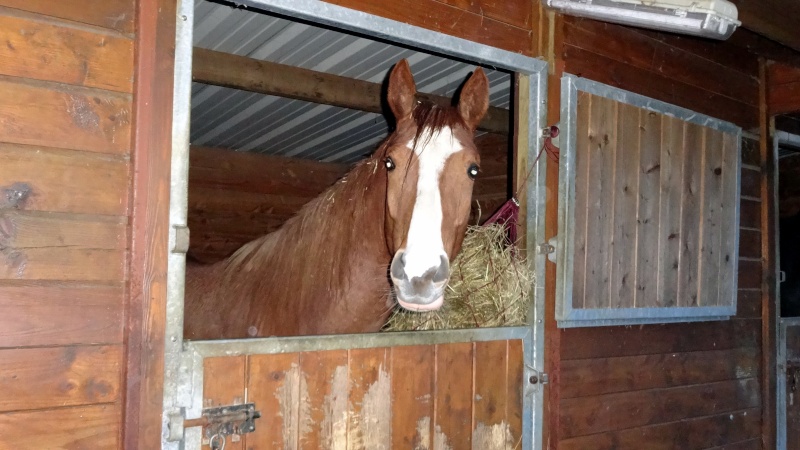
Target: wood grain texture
324, 421
454, 377
78, 119
515, 12
48, 52
604, 69
672, 151
36, 314
224, 383
272, 380
412, 385
585, 343
149, 223
116, 15
437, 16
704, 432
638, 373
40, 378
621, 411
648, 215
76, 428
65, 180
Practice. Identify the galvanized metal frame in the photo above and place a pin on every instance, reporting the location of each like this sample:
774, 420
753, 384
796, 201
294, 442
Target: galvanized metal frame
566, 315
184, 359
783, 322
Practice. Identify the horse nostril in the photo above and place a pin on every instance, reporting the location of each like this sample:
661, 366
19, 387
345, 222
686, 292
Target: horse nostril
443, 272
397, 269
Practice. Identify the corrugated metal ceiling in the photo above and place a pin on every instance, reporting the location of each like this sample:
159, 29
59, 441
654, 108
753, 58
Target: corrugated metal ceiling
246, 121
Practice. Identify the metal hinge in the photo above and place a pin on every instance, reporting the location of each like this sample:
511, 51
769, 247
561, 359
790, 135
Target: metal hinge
218, 423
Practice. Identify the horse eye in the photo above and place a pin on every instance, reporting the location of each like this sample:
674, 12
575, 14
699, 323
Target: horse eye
473, 171
389, 163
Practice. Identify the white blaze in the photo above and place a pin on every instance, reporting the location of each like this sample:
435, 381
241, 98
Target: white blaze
424, 245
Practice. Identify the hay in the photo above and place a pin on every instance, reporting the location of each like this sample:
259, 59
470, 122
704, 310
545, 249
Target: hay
489, 286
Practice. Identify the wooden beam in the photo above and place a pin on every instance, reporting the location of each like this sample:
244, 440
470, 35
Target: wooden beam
774, 19
264, 77
149, 223
769, 314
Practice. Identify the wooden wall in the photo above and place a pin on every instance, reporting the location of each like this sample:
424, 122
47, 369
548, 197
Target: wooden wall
692, 385
235, 197
399, 397
66, 83
510, 25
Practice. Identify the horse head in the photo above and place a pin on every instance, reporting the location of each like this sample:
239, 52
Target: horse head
431, 163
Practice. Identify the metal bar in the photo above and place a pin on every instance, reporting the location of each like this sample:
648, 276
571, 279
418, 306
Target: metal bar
178, 206
398, 32
278, 345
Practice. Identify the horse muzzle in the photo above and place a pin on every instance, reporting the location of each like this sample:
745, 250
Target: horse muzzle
424, 292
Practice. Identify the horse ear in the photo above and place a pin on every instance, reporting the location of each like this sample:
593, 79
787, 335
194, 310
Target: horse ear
474, 100
401, 90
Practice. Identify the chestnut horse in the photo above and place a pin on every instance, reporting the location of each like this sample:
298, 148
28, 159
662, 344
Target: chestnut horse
383, 233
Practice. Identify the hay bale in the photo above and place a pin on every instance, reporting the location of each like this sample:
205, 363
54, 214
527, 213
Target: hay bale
490, 286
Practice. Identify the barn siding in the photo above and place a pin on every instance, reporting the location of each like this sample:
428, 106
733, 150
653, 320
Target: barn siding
66, 83
694, 385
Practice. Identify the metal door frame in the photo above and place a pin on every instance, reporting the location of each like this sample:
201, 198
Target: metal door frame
183, 369
783, 323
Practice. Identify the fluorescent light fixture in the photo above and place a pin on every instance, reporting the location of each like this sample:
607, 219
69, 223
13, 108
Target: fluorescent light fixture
715, 19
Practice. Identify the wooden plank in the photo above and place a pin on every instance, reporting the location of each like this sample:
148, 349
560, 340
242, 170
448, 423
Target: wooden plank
625, 199
583, 166
750, 154
436, 16
490, 401
453, 396
412, 396
78, 119
750, 214
48, 52
750, 243
270, 78
748, 303
691, 196
224, 381
116, 15
780, 73
514, 12
751, 183
274, 384
625, 410
750, 273
63, 264
712, 231
672, 151
784, 98
727, 218
584, 343
60, 314
24, 230
146, 319
41, 378
66, 181
85, 427
776, 22
648, 216
61, 247
603, 143
750, 444
323, 424
514, 398
600, 376
629, 45
653, 84
701, 432
370, 399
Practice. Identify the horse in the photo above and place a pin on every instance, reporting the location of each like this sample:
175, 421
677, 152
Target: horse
384, 234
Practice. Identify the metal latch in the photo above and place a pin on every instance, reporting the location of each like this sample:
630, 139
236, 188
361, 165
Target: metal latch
218, 423
533, 379
548, 248
180, 239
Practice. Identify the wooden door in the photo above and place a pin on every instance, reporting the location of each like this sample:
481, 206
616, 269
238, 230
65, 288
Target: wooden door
789, 362
448, 395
